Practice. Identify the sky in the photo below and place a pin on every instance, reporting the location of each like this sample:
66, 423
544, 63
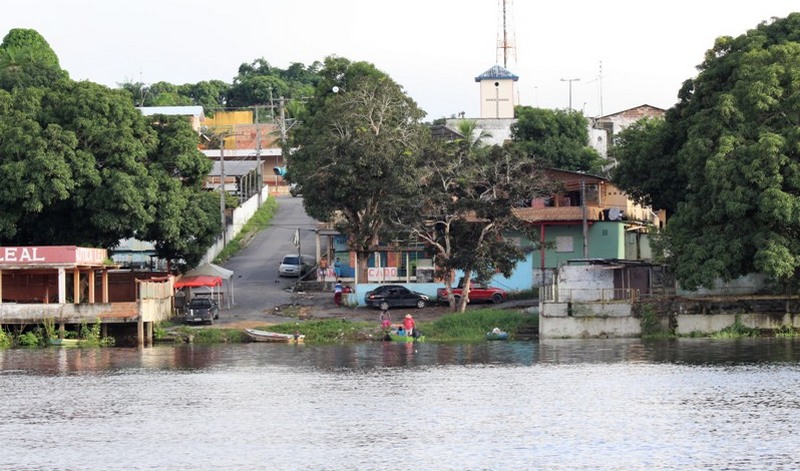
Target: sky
619, 54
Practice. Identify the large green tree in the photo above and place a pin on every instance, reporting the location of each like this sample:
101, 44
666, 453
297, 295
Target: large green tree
646, 167
82, 166
733, 143
557, 138
186, 218
26, 60
358, 153
465, 208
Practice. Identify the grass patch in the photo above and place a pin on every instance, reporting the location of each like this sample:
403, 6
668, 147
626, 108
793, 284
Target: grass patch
735, 331
260, 220
209, 336
471, 326
329, 330
475, 323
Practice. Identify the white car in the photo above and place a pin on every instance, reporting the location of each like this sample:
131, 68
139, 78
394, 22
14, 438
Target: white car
295, 265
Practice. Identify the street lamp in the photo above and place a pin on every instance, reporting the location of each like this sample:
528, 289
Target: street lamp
570, 89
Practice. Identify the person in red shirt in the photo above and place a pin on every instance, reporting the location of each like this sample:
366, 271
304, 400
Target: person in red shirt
409, 325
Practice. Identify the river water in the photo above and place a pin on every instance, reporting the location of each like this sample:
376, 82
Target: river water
555, 405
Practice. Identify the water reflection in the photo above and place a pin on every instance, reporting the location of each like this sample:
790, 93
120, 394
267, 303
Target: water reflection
564, 404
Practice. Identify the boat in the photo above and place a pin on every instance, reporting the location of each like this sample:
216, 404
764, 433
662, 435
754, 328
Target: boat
265, 336
394, 337
496, 334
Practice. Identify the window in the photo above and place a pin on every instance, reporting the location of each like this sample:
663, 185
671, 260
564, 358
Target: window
564, 244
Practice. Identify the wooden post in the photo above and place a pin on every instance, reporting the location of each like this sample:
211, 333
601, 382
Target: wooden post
105, 285
91, 287
149, 333
76, 286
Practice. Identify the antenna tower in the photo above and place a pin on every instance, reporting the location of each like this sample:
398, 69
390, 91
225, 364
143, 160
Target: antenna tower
505, 33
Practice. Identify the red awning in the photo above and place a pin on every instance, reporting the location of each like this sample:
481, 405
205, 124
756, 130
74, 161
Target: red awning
195, 281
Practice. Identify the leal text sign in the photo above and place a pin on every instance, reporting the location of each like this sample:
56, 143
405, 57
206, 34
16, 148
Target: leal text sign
43, 255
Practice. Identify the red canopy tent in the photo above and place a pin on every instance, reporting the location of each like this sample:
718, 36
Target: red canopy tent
197, 281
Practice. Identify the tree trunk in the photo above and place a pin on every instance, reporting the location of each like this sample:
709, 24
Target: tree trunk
361, 266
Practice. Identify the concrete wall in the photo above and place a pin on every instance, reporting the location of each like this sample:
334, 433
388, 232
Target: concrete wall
241, 215
709, 323
584, 283
584, 320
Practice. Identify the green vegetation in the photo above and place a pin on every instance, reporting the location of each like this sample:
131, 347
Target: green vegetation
459, 327
651, 325
474, 324
735, 331
260, 220
557, 138
186, 334
725, 161
6, 340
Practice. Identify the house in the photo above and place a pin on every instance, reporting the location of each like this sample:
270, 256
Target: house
255, 148
194, 113
590, 218
603, 130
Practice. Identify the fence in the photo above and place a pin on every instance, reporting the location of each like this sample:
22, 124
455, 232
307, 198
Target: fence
241, 215
554, 294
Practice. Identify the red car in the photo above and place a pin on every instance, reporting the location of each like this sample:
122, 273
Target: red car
478, 292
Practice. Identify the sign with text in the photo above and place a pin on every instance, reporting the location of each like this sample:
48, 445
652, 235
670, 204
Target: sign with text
56, 255
382, 274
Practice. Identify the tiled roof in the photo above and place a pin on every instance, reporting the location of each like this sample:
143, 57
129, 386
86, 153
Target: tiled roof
497, 72
563, 213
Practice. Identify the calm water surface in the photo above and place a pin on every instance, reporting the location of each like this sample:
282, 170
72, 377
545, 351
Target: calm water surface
560, 405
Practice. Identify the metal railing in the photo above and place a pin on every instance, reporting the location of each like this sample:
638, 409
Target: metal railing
554, 294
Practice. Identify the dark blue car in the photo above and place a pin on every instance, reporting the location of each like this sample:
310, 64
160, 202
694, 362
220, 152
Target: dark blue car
388, 296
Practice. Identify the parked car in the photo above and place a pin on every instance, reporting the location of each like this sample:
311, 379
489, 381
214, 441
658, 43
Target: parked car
388, 296
295, 265
295, 190
478, 292
201, 310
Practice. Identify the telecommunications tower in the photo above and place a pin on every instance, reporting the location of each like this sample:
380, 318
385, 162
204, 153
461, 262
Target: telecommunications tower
506, 48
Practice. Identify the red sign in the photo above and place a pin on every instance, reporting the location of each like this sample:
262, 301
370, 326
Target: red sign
44, 255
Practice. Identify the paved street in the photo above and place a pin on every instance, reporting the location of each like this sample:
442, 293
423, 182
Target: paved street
258, 287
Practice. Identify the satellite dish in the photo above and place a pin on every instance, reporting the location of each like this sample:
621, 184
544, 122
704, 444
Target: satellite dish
615, 214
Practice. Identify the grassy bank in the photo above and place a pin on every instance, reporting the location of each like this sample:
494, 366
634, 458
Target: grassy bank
471, 326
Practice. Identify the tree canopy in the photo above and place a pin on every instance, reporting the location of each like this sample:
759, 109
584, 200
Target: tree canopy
358, 153
465, 207
732, 148
557, 138
26, 60
82, 166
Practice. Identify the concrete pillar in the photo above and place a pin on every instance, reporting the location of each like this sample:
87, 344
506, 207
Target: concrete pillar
62, 286
91, 287
140, 331
149, 333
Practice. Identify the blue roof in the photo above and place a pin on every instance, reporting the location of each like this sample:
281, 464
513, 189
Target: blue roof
497, 72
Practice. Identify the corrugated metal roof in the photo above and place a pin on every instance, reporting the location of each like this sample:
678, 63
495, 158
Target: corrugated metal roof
172, 110
497, 72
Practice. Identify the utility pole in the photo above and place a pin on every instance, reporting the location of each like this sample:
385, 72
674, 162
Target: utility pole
260, 179
222, 189
570, 89
282, 115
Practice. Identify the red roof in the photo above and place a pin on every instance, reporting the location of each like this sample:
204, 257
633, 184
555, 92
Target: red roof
201, 280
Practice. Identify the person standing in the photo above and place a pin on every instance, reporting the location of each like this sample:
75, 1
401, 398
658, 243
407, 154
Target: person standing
337, 268
409, 325
337, 293
386, 321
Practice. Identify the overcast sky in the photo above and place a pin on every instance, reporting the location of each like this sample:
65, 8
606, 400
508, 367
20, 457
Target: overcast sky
433, 48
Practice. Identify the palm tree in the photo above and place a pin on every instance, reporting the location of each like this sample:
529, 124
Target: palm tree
467, 128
